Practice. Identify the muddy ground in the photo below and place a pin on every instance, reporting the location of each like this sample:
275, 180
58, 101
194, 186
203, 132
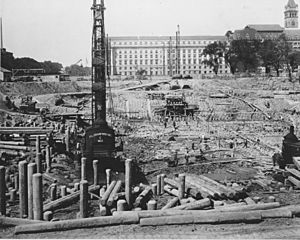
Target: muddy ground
148, 143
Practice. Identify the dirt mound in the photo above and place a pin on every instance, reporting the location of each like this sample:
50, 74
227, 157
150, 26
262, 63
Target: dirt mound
38, 88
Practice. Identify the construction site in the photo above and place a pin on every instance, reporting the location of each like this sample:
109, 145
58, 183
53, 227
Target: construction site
210, 157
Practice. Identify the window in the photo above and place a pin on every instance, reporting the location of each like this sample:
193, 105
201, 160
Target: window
151, 61
130, 62
125, 62
120, 62
141, 62
156, 61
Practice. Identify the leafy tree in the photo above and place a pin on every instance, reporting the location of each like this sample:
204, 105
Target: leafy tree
294, 59
76, 70
285, 50
51, 67
243, 55
270, 55
26, 63
214, 54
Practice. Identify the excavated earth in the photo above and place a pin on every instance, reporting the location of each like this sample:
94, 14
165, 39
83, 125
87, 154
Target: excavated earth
148, 143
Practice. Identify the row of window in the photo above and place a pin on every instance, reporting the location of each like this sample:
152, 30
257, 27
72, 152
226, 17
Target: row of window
200, 67
141, 51
156, 61
158, 42
184, 58
159, 73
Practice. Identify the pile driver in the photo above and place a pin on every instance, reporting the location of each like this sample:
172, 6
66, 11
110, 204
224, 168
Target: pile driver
99, 141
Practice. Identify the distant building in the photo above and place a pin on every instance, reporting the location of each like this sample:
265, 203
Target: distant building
157, 55
291, 15
258, 32
6, 75
273, 31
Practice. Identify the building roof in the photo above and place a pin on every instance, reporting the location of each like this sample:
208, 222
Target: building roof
4, 70
266, 27
247, 33
166, 38
292, 4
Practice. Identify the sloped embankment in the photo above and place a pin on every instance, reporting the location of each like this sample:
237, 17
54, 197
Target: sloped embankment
38, 88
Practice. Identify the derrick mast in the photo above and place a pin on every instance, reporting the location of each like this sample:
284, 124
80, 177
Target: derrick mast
99, 138
98, 63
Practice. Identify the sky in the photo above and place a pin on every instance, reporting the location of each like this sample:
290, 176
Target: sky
61, 30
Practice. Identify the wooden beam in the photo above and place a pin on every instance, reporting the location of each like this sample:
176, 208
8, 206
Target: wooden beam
8, 221
76, 224
67, 200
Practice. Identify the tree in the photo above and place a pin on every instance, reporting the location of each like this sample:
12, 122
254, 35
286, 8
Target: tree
51, 67
214, 54
140, 74
76, 70
271, 56
294, 59
285, 50
243, 55
26, 63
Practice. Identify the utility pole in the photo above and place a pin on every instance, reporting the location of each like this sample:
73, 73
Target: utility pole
170, 58
178, 50
164, 57
1, 46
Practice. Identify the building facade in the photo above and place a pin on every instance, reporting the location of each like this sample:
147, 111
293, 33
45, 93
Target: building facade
159, 56
291, 15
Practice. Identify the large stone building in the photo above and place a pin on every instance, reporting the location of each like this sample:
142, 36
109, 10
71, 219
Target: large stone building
273, 31
158, 55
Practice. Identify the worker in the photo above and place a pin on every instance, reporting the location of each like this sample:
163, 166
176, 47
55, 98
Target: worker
291, 137
246, 143
174, 125
186, 156
166, 122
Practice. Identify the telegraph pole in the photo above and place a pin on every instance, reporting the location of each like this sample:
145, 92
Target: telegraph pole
1, 46
178, 50
164, 57
170, 58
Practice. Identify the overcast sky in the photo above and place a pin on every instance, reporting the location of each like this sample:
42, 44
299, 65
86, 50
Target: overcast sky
60, 30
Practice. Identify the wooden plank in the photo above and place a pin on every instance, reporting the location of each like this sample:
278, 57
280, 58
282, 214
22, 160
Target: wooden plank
294, 172
296, 161
294, 181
